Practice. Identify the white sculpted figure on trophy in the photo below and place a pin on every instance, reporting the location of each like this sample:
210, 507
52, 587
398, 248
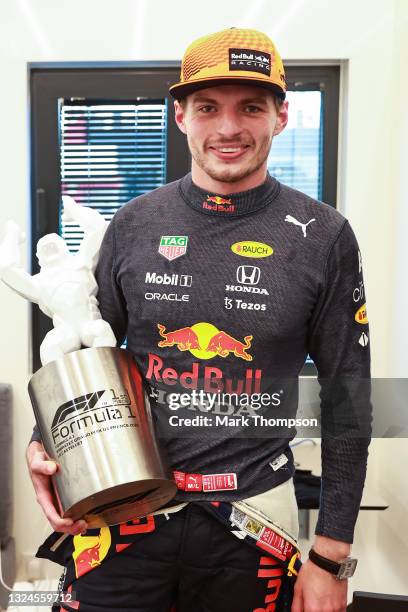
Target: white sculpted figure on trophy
65, 287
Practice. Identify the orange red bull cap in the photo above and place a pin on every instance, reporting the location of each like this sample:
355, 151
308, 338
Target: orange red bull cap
231, 56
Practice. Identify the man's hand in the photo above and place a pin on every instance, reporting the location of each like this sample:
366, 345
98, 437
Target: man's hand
41, 468
316, 590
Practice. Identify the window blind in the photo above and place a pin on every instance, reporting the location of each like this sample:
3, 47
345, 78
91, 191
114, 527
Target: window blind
296, 157
110, 153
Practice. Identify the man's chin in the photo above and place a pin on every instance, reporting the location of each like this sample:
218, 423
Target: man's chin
228, 173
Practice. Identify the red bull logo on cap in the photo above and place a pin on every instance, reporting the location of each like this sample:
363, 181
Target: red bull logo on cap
205, 341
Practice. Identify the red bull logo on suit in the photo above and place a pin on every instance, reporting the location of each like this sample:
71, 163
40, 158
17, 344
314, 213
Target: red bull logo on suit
204, 341
89, 551
219, 204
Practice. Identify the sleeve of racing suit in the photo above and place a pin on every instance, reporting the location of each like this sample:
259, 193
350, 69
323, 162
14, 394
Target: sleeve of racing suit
35, 436
339, 346
111, 301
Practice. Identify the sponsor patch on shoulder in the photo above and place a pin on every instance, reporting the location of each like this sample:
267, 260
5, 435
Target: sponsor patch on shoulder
363, 339
361, 315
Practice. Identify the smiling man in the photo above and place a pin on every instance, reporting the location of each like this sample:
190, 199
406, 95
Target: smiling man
229, 134
224, 281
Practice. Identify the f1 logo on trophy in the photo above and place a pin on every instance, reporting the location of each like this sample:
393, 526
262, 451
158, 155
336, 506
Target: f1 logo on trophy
90, 406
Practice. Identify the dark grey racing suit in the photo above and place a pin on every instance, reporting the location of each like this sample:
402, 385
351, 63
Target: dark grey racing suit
228, 295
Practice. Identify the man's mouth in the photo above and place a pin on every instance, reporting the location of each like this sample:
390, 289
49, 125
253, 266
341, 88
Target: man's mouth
229, 152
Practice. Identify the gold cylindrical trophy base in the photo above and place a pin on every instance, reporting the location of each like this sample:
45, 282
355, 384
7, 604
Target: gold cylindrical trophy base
95, 422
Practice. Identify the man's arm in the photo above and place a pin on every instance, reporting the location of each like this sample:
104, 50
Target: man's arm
112, 303
339, 346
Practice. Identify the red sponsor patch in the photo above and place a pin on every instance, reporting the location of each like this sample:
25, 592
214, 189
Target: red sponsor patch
219, 482
194, 482
275, 543
205, 483
180, 479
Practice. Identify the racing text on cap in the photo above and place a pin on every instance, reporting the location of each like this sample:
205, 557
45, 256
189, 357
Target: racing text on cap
250, 59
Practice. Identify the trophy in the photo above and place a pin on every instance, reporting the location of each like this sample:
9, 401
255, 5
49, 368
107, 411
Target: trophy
89, 403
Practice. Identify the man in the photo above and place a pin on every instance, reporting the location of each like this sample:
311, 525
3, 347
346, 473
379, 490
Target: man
261, 275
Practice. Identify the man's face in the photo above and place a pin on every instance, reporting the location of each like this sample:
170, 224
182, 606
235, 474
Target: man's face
229, 129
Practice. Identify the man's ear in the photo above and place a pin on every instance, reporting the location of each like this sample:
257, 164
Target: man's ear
179, 115
282, 118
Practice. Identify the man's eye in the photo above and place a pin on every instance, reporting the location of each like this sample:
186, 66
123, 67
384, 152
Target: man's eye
251, 108
208, 108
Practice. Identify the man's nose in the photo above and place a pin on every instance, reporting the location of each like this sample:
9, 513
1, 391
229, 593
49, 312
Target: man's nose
229, 124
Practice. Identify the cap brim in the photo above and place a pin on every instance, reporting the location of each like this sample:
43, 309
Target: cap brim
181, 90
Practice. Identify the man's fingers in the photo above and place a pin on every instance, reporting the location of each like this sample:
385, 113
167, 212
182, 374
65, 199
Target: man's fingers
40, 464
41, 469
46, 502
65, 525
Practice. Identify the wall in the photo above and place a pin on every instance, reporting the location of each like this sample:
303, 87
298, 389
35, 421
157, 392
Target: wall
370, 34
